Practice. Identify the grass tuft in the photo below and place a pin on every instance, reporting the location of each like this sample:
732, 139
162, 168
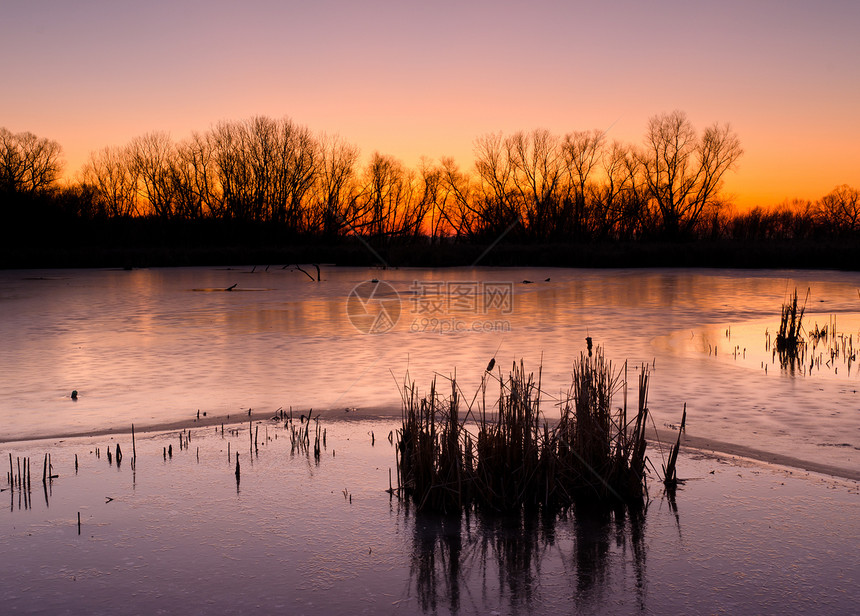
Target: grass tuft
507, 456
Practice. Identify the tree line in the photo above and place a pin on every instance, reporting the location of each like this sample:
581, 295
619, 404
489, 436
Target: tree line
527, 186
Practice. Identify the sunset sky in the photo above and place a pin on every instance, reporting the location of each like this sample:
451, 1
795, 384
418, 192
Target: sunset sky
427, 78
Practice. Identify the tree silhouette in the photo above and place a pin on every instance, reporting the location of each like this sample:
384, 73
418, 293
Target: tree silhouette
537, 176
839, 209
497, 205
684, 172
29, 165
583, 151
110, 176
333, 209
529, 186
153, 162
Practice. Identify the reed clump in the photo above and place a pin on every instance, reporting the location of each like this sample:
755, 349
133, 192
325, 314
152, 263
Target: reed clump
805, 349
789, 343
300, 436
507, 456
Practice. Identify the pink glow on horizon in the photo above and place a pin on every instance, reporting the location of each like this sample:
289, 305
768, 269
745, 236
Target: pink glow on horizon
411, 80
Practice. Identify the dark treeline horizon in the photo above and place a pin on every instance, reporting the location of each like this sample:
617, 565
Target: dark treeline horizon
526, 187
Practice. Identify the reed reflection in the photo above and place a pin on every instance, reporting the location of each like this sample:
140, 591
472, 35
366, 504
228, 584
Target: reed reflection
437, 556
531, 561
605, 542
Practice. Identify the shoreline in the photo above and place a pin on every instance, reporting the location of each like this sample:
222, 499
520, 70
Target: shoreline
206, 421
144, 248
656, 438
709, 445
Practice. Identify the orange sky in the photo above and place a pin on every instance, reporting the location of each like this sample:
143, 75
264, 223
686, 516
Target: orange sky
412, 78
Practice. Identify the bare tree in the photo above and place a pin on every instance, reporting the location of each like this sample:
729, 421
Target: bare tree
298, 166
110, 174
684, 173
153, 163
457, 200
839, 209
232, 170
259, 139
432, 200
638, 217
497, 204
391, 204
537, 162
613, 212
334, 207
582, 154
194, 177
29, 165
266, 169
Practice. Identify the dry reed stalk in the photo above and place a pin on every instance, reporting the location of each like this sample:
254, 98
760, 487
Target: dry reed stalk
317, 442
670, 475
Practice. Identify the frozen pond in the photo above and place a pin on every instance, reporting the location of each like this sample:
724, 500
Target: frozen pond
153, 346
301, 536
